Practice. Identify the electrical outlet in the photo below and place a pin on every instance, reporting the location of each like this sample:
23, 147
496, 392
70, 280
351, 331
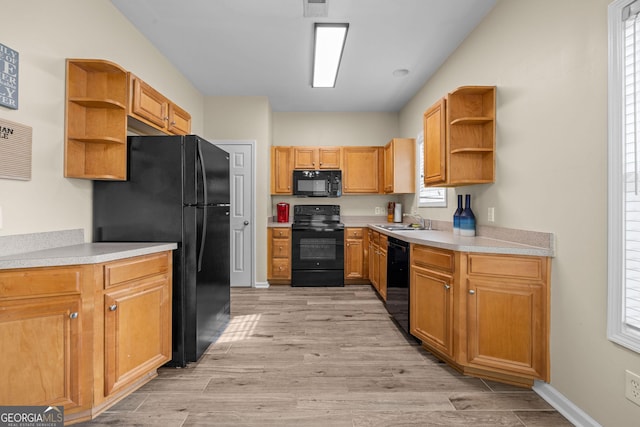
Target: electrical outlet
377, 211
632, 387
491, 214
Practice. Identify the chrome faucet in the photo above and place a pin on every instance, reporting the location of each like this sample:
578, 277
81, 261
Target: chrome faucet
425, 224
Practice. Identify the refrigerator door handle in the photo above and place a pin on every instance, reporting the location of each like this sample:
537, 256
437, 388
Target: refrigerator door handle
203, 231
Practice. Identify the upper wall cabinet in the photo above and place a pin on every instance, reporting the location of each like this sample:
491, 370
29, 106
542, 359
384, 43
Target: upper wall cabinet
102, 101
362, 170
281, 175
468, 130
95, 120
150, 108
316, 157
400, 166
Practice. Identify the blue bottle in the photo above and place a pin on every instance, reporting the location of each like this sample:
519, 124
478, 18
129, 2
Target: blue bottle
456, 216
467, 219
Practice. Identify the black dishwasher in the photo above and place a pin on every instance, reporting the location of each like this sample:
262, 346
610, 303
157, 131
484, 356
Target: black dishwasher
398, 282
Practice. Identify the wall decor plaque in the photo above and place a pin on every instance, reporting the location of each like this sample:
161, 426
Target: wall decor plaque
9, 61
15, 150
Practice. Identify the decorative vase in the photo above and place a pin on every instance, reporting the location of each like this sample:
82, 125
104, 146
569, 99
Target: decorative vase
467, 219
456, 216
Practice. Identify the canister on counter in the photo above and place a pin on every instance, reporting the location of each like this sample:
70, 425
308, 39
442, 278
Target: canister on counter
391, 206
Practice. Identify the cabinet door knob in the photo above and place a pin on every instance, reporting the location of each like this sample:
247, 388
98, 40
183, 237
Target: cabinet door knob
472, 292
113, 307
447, 287
73, 315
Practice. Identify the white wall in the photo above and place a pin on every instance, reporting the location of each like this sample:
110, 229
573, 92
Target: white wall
247, 117
548, 59
45, 33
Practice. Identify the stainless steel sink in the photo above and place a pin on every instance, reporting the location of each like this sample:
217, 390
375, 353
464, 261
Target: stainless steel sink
399, 227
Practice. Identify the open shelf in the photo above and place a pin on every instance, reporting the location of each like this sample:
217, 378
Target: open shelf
471, 135
95, 120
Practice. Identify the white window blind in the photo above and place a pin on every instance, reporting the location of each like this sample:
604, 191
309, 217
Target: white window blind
624, 174
428, 196
631, 165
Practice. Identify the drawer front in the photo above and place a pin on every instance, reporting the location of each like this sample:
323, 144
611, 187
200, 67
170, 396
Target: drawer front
118, 272
515, 267
383, 242
281, 233
280, 268
281, 248
432, 257
354, 233
375, 238
40, 281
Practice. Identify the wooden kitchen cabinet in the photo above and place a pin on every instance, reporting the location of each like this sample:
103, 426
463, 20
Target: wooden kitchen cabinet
400, 166
137, 292
378, 262
432, 297
279, 255
45, 331
362, 170
281, 170
95, 120
435, 144
62, 343
102, 101
459, 138
382, 267
152, 109
355, 252
316, 157
485, 314
507, 312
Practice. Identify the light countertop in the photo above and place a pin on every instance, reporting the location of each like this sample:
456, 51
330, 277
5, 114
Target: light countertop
492, 240
40, 252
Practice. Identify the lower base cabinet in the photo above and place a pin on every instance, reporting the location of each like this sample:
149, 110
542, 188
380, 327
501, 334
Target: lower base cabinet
507, 315
431, 298
487, 315
378, 262
62, 346
279, 255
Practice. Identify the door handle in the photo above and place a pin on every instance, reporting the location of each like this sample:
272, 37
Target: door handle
246, 223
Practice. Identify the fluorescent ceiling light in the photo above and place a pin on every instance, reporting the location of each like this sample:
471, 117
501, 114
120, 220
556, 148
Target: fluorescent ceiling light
327, 53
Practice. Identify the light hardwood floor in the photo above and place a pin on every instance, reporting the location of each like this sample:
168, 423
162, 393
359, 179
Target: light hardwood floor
322, 357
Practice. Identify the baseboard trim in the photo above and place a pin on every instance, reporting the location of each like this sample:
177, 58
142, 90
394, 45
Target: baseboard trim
568, 409
261, 285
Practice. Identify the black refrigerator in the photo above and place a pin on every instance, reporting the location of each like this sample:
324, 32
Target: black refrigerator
177, 191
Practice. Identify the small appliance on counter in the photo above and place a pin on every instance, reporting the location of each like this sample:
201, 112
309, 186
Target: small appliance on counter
397, 212
283, 212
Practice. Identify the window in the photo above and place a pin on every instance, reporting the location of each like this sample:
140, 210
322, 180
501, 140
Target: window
623, 325
433, 197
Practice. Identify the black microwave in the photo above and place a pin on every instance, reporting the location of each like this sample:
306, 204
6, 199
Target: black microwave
312, 183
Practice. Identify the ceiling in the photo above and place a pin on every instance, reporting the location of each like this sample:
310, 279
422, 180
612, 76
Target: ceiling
265, 47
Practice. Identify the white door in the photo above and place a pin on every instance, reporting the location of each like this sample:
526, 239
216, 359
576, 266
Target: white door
242, 214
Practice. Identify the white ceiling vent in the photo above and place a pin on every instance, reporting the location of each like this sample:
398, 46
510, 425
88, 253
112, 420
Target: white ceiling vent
316, 8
